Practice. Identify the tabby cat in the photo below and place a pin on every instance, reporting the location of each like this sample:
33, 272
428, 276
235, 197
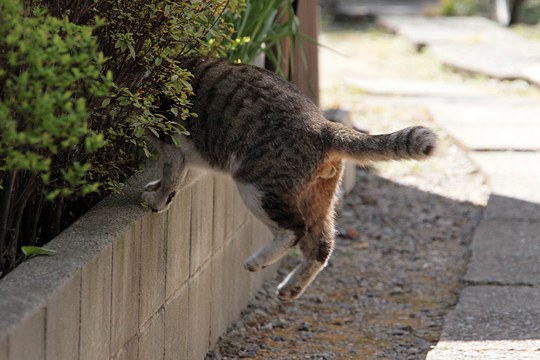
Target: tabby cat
285, 157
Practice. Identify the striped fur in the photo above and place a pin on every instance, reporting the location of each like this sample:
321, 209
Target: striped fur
286, 158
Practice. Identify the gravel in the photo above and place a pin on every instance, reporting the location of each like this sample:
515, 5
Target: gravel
401, 252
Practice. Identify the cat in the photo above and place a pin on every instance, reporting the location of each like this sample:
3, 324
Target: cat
285, 157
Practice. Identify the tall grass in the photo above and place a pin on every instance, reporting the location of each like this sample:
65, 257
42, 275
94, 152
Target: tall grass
268, 27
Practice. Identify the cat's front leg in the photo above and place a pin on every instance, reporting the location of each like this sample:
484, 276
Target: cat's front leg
155, 201
152, 185
159, 194
153, 195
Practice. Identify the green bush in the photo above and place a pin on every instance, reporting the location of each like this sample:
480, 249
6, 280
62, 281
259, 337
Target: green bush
68, 132
467, 7
48, 66
529, 13
143, 42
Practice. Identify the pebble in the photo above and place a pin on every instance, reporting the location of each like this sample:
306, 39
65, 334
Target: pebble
247, 354
213, 355
279, 324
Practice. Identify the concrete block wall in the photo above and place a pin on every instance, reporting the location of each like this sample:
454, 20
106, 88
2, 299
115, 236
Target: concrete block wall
129, 284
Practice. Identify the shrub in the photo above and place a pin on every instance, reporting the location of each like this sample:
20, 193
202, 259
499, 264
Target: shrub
466, 7
47, 68
66, 129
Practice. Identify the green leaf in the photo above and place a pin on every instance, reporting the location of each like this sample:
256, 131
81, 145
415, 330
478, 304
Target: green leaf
30, 251
131, 51
176, 141
154, 131
53, 194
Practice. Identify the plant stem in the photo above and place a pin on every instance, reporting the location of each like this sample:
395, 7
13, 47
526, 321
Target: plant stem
6, 197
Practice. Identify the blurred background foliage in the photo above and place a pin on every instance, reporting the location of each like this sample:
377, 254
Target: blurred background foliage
525, 13
80, 81
269, 28
465, 7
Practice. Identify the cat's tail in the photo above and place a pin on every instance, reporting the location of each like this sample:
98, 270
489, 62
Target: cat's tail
415, 142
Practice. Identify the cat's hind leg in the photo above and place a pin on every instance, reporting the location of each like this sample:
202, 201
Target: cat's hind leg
316, 247
317, 244
285, 222
298, 280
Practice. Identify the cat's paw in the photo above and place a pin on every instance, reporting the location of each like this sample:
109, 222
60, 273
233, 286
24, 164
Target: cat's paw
252, 265
287, 293
154, 201
152, 186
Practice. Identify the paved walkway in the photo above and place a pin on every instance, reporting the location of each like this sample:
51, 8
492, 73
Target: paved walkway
498, 313
472, 44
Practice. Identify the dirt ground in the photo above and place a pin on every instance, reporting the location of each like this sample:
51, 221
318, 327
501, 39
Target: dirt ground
404, 235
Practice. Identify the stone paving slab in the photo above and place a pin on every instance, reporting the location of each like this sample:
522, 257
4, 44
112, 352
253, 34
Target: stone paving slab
495, 318
472, 44
491, 125
509, 208
505, 252
512, 174
482, 355
419, 88
438, 92
446, 30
